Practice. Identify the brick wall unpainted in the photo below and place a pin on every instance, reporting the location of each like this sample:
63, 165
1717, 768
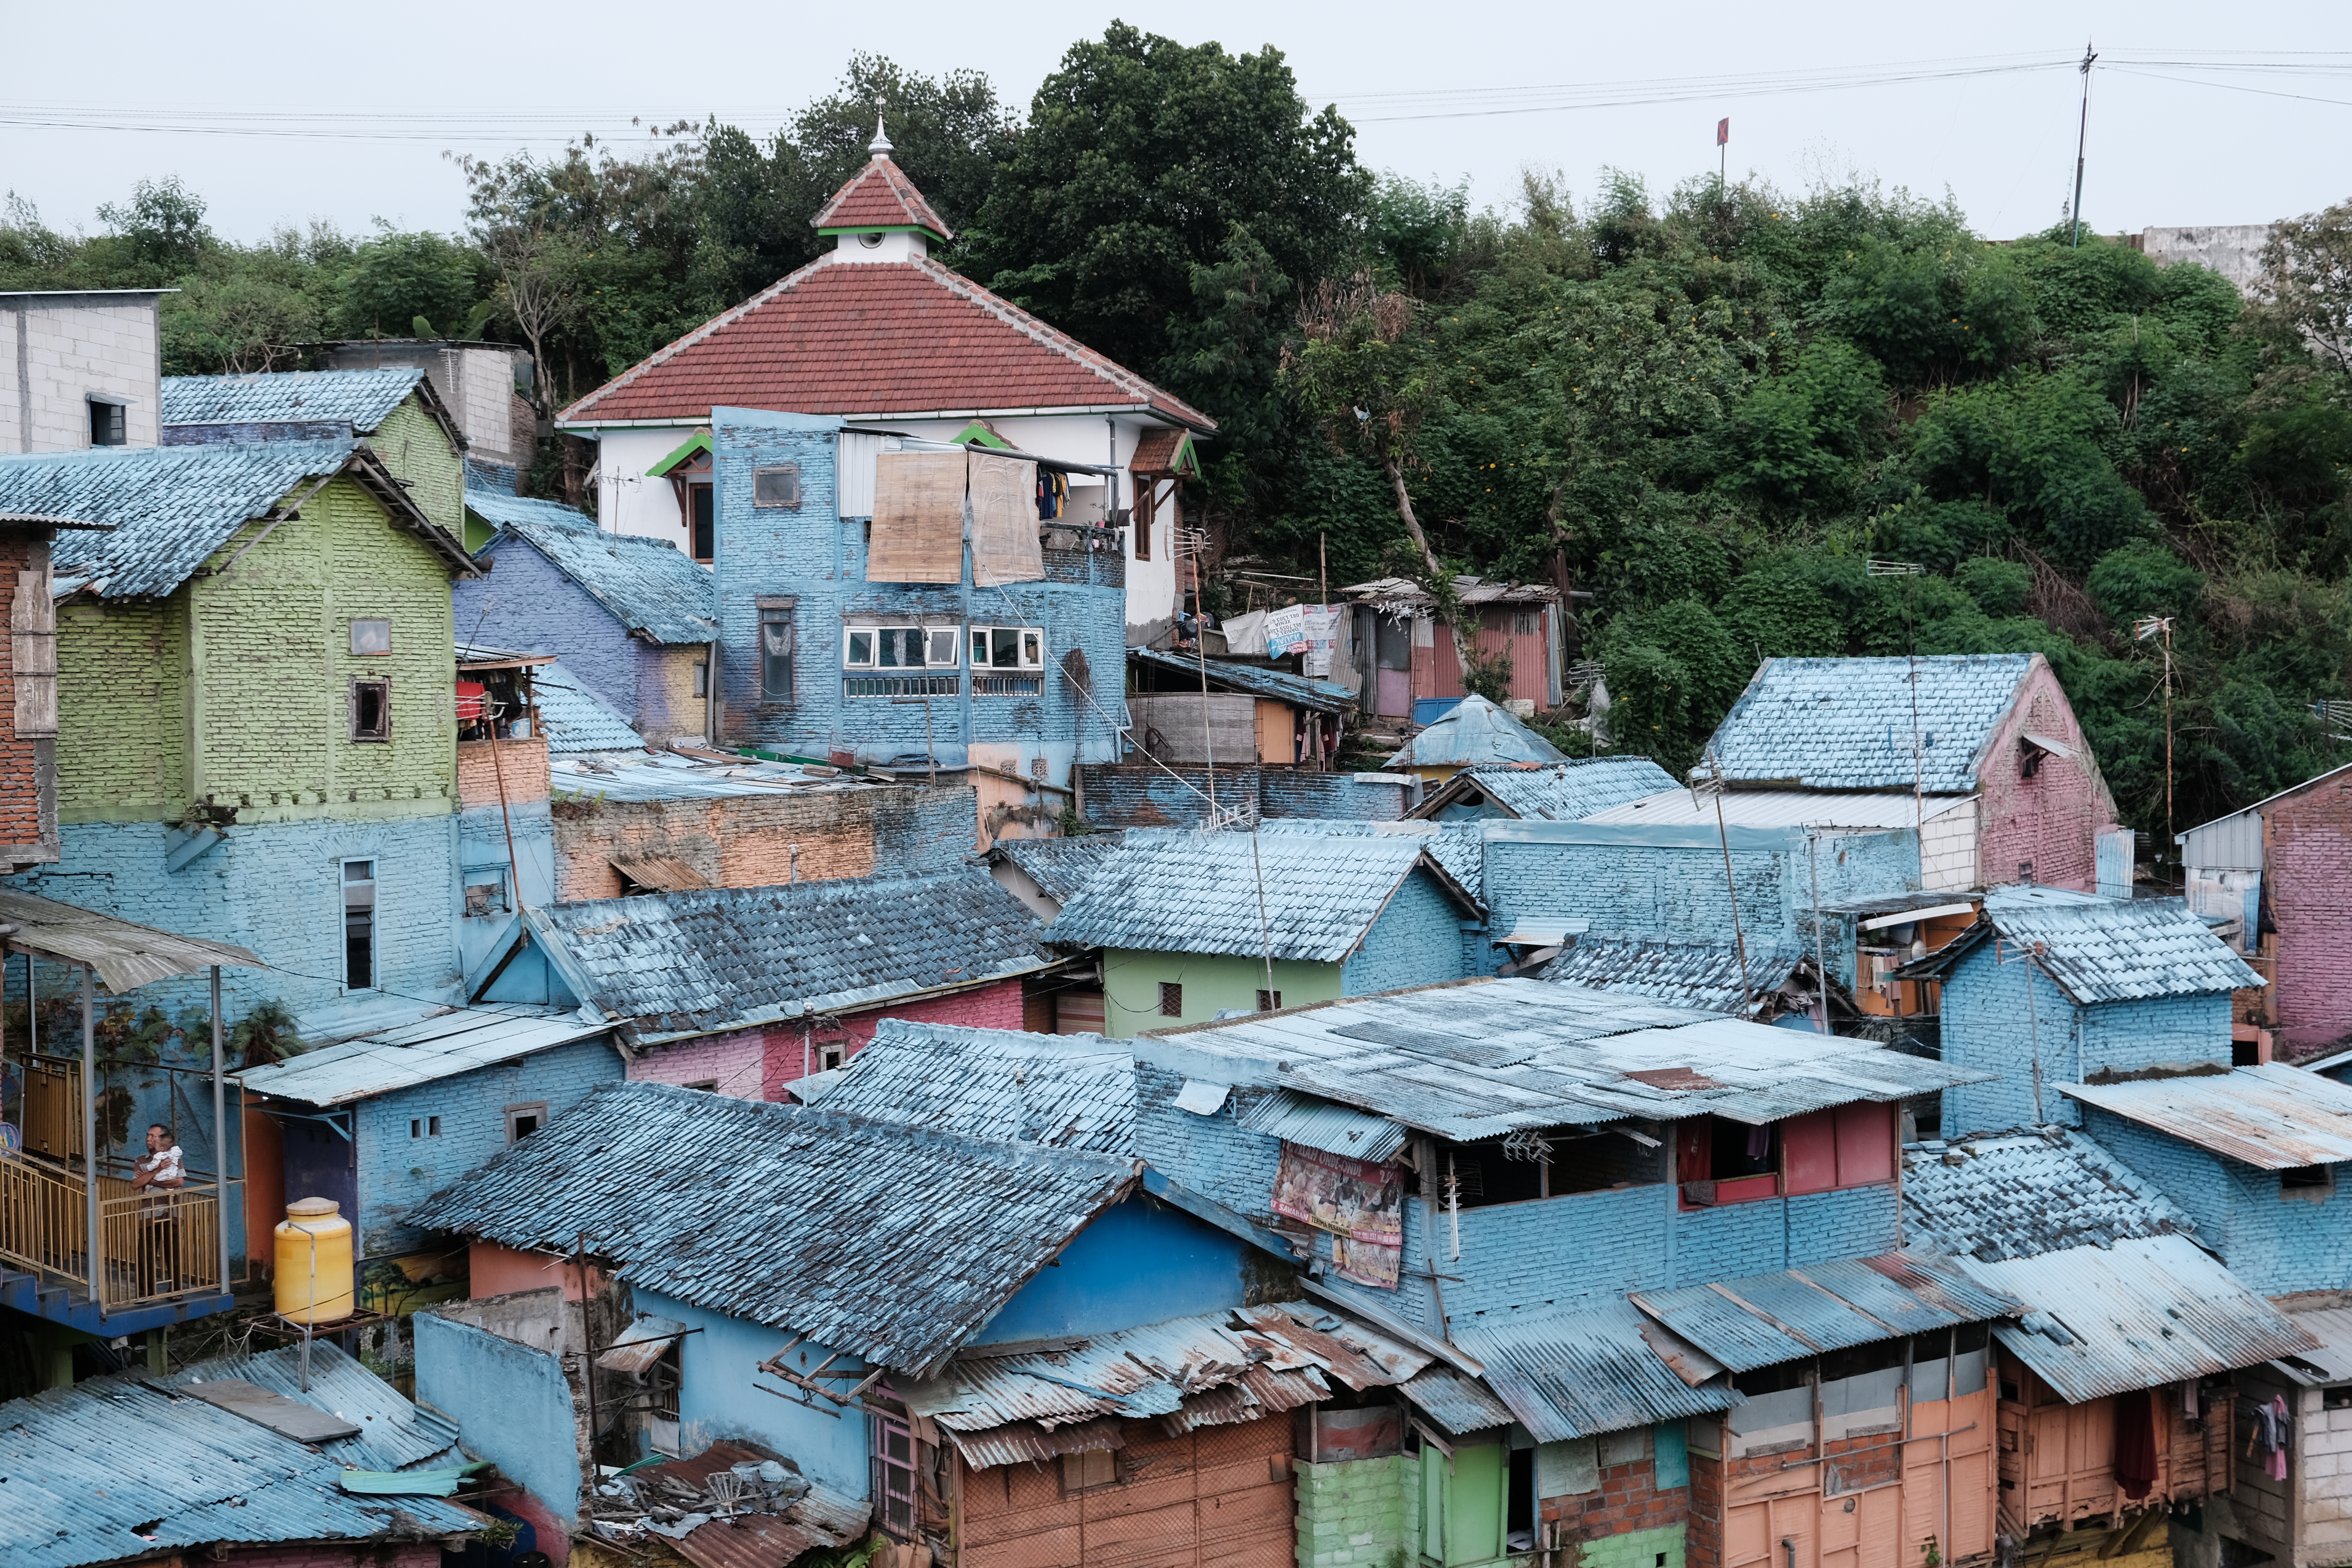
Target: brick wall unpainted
2051, 819
749, 841
487, 769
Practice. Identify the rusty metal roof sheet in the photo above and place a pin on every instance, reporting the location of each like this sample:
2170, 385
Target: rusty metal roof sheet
819, 1518
1320, 1124
1767, 1319
2331, 1363
1598, 1367
1066, 1091
126, 956
2101, 950
1479, 1058
2273, 1117
2143, 1312
126, 1468
883, 1243
2025, 1194
1215, 1369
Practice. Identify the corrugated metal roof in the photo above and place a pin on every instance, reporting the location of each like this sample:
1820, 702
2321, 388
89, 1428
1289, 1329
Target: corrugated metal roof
1320, 1124
2331, 1363
126, 956
116, 1468
443, 1043
665, 776
1846, 724
1686, 973
1216, 1369
722, 957
395, 1434
1568, 791
360, 398
649, 585
2273, 1117
1190, 891
576, 719
171, 507
2235, 841
1578, 1372
1455, 1402
1065, 1091
2101, 950
1785, 808
879, 1242
2143, 1312
1298, 691
1059, 866
1479, 1058
2026, 1194
1475, 730
1392, 594
1459, 846
1767, 1319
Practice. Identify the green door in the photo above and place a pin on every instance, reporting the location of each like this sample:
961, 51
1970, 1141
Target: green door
1462, 1504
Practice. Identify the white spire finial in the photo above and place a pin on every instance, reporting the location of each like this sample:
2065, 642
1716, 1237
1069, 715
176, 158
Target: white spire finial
880, 145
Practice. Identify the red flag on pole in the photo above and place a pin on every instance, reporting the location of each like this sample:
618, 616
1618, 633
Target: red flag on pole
1722, 132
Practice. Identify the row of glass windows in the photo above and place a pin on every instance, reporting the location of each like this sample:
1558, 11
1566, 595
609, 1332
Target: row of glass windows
936, 648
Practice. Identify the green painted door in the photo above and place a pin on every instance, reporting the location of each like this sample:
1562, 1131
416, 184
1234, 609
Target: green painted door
1462, 1501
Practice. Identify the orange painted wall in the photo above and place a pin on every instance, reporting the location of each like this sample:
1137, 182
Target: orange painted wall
496, 1270
265, 1185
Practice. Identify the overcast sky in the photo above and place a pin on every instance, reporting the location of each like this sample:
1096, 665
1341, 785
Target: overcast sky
2169, 144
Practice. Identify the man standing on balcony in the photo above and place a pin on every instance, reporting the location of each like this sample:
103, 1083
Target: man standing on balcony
162, 1173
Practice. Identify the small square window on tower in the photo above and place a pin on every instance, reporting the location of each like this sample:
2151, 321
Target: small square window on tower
779, 486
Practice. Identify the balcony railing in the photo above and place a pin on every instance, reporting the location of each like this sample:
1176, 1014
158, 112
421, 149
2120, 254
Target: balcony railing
153, 1244
901, 685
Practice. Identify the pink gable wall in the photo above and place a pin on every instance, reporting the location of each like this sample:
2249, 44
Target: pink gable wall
2053, 818
759, 1063
2308, 886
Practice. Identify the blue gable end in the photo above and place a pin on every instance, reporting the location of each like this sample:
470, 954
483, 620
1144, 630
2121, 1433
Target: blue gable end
528, 604
1140, 1262
808, 564
1416, 940
720, 1396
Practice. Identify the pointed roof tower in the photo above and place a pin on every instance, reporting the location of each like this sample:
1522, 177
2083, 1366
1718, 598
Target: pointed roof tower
880, 199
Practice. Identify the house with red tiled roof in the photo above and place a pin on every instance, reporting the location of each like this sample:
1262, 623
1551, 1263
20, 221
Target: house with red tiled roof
880, 335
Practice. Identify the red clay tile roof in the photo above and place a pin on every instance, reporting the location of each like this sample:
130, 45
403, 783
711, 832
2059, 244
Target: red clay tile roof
880, 195
873, 338
1158, 451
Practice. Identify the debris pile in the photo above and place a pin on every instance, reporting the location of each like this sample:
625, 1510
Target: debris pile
627, 1507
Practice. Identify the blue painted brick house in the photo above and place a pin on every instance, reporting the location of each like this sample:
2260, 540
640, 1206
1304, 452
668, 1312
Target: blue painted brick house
1000, 651
2051, 987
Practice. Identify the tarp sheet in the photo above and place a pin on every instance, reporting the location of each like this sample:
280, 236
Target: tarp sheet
917, 518
1004, 547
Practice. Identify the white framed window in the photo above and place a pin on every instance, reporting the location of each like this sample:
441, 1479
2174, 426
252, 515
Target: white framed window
899, 647
1008, 647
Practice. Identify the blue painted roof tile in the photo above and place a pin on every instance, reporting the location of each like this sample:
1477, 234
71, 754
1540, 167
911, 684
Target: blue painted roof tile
576, 719
1846, 724
2102, 949
1687, 973
360, 398
1548, 792
1064, 1091
648, 585
2025, 1194
1059, 866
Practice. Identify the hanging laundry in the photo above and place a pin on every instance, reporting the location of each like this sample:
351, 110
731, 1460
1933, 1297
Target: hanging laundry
2136, 1442
2270, 1434
1759, 1142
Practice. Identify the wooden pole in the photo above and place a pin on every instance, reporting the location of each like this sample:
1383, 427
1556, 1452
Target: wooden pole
95, 1253
220, 1139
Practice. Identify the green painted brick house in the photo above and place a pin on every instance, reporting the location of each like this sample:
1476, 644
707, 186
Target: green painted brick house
256, 733
1190, 922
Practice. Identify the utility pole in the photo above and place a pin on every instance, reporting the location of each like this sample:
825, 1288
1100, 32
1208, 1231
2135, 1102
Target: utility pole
2083, 140
1722, 148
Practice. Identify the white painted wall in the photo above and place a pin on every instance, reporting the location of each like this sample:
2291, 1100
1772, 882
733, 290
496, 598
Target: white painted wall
58, 349
1948, 847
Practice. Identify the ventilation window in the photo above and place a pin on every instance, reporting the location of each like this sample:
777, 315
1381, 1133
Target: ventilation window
776, 656
371, 710
372, 638
777, 486
1171, 999
524, 1120
1269, 1001
2307, 1179
106, 424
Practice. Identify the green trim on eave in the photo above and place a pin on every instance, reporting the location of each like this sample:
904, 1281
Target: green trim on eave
1187, 461
978, 430
698, 442
888, 228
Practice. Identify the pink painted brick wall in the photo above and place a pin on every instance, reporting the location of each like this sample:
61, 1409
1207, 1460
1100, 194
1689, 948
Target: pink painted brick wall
2309, 892
732, 1060
996, 1006
331, 1554
2053, 818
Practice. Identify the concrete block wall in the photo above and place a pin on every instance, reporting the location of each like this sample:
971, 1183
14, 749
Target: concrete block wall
526, 604
1416, 940
277, 888
272, 667
793, 1050
400, 1162
733, 1064
122, 711
416, 448
56, 349
810, 554
2053, 818
1358, 1513
512, 1403
749, 841
2307, 883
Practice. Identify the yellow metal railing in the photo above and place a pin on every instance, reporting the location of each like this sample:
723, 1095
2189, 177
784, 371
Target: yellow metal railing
152, 1244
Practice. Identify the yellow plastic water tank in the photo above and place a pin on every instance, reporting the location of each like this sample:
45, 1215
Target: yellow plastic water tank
314, 1262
